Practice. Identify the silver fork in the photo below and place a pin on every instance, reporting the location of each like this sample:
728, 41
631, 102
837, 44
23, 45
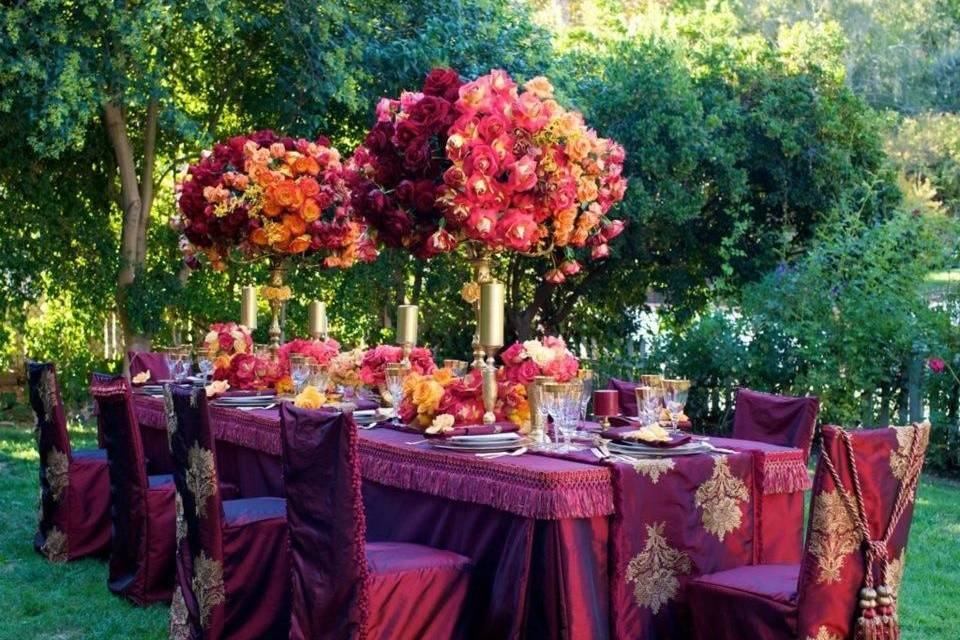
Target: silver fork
501, 454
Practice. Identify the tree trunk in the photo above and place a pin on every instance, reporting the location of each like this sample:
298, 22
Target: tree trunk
136, 201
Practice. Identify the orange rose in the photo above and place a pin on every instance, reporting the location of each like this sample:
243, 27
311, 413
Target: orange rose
260, 236
540, 87
564, 226
294, 224
277, 234
310, 210
578, 148
587, 191
271, 207
286, 193
309, 187
277, 150
306, 165
299, 244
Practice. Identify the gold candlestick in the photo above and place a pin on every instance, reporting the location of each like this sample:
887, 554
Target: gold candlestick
317, 320
248, 307
480, 261
277, 296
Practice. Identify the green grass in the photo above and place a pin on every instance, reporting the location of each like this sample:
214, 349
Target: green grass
42, 600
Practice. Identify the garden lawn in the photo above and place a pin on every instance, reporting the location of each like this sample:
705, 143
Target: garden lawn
43, 600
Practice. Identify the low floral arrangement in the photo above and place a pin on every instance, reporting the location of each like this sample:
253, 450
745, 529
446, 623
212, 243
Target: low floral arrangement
522, 362
249, 372
345, 368
226, 339
269, 195
488, 163
438, 401
321, 351
373, 365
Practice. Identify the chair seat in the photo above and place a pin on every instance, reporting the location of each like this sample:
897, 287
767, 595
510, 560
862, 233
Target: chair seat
90, 454
757, 601
418, 590
160, 480
246, 510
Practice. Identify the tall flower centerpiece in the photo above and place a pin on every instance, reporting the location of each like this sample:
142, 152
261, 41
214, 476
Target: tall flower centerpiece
492, 167
262, 195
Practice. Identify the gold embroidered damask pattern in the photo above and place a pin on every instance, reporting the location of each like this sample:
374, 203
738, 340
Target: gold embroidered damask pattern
654, 468
721, 497
893, 575
824, 634
56, 547
170, 413
48, 394
181, 522
834, 534
899, 457
207, 586
179, 617
654, 570
200, 477
58, 473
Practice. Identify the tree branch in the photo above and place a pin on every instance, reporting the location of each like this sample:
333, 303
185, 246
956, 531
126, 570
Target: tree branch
146, 179
129, 189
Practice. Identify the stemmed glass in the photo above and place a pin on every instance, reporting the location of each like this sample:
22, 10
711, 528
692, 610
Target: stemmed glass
562, 402
458, 367
318, 376
395, 373
649, 403
299, 371
585, 377
675, 396
205, 363
171, 357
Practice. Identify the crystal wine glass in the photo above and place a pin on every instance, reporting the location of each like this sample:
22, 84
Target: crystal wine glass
649, 403
395, 373
205, 363
586, 390
675, 396
299, 371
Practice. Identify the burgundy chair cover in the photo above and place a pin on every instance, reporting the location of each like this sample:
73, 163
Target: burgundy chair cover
342, 586
233, 568
628, 397
142, 506
781, 420
151, 361
74, 517
817, 600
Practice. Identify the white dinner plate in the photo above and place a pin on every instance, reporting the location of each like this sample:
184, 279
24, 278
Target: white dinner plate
489, 447
486, 437
688, 449
246, 401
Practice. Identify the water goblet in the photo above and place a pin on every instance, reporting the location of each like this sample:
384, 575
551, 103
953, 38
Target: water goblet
205, 363
299, 371
649, 403
170, 358
675, 397
395, 374
585, 376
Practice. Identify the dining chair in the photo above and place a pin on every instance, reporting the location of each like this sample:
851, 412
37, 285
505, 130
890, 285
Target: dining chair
141, 506
781, 420
852, 567
626, 391
74, 515
233, 567
343, 586
151, 361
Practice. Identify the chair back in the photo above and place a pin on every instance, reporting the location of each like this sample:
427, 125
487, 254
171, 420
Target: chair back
151, 361
127, 468
781, 420
627, 395
321, 474
886, 464
53, 447
200, 509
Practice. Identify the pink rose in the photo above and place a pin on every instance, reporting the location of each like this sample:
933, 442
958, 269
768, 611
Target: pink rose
523, 174
517, 231
600, 251
570, 267
512, 354
555, 276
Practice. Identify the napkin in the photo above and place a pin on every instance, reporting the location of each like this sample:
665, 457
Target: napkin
309, 398
634, 423
141, 378
627, 435
476, 430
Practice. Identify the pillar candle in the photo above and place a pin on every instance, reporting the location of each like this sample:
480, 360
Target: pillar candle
606, 402
317, 319
248, 307
408, 316
491, 314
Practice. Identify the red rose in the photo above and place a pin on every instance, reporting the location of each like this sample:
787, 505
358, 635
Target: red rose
407, 131
424, 196
416, 157
444, 83
430, 112
378, 139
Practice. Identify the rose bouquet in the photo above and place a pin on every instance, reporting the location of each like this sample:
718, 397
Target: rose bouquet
226, 339
396, 173
522, 362
249, 372
267, 195
321, 351
527, 175
345, 368
374, 362
440, 400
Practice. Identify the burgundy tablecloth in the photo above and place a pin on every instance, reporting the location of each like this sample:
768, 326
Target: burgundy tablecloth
551, 539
